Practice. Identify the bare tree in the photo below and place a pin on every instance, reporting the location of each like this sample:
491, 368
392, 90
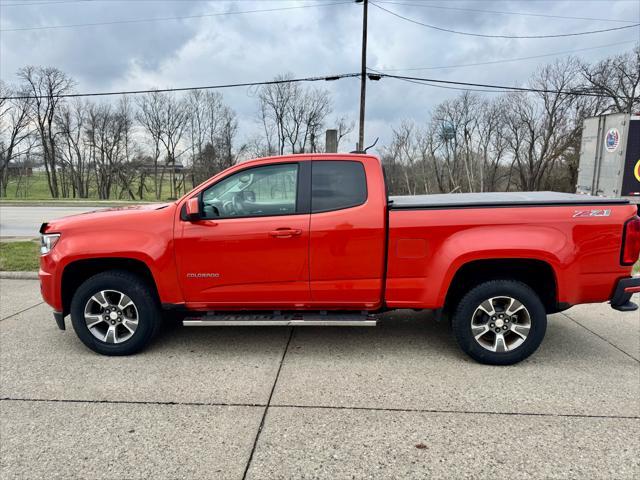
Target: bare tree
457, 122
14, 131
45, 85
150, 109
213, 127
492, 144
107, 129
411, 163
165, 120
71, 124
345, 128
126, 172
618, 78
198, 120
293, 116
274, 104
402, 152
257, 146
542, 126
228, 153
174, 121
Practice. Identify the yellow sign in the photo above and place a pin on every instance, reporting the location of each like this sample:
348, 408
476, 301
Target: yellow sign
636, 171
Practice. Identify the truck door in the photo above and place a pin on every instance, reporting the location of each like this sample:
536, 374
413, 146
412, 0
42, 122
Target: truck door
348, 212
251, 249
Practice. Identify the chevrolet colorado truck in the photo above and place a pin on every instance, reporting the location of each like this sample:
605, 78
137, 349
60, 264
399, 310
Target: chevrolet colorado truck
316, 240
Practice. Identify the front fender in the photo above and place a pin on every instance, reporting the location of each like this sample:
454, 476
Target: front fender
148, 247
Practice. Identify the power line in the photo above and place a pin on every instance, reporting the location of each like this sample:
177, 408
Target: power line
444, 86
504, 88
184, 89
502, 12
441, 29
459, 89
493, 62
185, 17
379, 75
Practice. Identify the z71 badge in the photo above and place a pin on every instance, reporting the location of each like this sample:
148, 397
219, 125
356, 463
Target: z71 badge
591, 213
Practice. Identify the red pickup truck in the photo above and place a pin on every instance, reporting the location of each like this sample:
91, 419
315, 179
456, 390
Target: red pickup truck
315, 240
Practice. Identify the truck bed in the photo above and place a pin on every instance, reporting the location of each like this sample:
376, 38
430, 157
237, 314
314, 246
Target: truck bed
497, 200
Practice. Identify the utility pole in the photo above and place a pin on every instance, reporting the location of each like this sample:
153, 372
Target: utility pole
363, 73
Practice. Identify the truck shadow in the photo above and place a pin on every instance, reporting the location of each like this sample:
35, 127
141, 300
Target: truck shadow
405, 330
401, 333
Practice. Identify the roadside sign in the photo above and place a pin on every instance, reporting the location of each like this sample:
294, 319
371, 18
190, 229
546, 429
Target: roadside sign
631, 173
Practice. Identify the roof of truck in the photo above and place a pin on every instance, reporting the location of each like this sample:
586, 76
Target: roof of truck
499, 199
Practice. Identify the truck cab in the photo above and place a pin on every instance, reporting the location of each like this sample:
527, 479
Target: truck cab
287, 235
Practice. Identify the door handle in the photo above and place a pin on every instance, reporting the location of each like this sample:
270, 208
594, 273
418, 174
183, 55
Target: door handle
285, 232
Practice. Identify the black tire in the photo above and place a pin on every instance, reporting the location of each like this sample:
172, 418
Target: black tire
468, 306
143, 298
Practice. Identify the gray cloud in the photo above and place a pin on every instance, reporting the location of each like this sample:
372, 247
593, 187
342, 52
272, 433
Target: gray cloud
307, 41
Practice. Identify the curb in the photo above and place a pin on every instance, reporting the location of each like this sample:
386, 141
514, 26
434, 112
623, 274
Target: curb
19, 275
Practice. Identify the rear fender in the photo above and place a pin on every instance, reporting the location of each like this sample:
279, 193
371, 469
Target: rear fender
541, 243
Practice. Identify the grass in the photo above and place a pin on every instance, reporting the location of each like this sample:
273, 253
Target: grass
35, 187
19, 256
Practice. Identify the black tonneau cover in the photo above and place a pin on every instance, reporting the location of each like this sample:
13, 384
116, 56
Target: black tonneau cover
497, 199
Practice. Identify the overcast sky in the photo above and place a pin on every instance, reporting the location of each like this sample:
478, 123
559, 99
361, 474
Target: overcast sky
322, 38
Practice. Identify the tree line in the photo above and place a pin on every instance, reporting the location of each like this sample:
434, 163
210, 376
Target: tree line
523, 141
158, 145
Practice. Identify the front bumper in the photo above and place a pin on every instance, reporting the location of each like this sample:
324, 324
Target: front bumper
621, 299
50, 280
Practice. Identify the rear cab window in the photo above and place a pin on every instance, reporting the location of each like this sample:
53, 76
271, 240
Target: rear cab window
337, 184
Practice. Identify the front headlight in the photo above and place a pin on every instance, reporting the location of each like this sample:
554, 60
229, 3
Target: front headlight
47, 242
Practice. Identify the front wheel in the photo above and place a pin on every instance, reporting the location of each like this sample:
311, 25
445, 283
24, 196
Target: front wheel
500, 322
115, 313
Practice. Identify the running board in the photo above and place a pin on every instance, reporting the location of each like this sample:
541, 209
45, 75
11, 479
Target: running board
294, 319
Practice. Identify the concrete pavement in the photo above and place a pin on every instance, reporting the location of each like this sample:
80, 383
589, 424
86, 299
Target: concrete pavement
53, 440
395, 401
25, 221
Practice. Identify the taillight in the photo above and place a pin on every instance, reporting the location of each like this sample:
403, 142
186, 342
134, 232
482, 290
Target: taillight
631, 242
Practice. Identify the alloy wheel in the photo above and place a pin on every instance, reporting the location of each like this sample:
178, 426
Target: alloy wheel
500, 324
111, 316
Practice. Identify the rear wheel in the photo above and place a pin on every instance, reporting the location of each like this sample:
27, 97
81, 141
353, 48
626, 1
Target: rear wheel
500, 322
115, 313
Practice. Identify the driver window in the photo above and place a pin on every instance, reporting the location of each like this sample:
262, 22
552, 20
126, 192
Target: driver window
260, 191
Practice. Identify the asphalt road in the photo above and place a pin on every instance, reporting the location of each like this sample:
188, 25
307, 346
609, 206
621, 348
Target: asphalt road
395, 401
25, 221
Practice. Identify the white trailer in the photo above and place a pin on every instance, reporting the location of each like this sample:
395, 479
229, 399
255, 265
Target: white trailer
610, 156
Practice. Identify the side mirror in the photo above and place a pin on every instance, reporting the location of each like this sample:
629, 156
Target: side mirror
193, 209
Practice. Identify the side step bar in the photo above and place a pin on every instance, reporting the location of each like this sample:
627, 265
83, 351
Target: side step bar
294, 319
